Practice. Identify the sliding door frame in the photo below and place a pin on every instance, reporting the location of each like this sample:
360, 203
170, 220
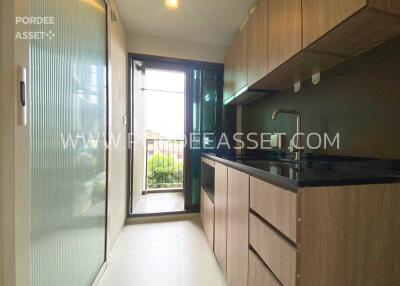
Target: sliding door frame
167, 63
15, 151
103, 268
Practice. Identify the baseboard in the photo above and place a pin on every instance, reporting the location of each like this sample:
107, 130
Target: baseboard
161, 218
165, 191
97, 280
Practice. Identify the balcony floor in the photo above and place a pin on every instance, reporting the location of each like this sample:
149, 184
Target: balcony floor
160, 203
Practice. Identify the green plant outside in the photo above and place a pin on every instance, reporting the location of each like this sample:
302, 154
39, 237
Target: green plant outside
164, 171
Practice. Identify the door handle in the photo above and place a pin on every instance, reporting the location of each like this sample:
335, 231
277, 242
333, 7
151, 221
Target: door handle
22, 107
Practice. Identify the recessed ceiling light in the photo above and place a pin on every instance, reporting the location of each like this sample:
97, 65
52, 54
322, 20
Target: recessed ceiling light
172, 4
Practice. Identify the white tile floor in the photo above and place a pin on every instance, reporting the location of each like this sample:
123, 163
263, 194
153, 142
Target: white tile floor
159, 203
163, 254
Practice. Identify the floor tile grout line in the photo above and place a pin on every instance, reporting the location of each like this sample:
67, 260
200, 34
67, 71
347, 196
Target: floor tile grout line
188, 236
181, 264
146, 247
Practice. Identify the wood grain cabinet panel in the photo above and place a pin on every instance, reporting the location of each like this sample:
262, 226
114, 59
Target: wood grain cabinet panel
276, 252
320, 16
285, 31
351, 235
240, 60
228, 74
348, 27
208, 162
275, 205
238, 228
221, 207
303, 37
387, 6
259, 275
257, 39
235, 76
207, 217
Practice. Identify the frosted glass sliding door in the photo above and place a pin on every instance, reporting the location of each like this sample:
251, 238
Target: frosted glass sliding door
68, 123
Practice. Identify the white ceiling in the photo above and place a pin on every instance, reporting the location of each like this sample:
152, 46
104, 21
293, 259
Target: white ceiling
208, 21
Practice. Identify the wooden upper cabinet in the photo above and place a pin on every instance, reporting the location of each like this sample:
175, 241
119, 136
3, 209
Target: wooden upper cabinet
240, 60
285, 31
348, 27
235, 77
257, 43
228, 74
387, 6
221, 205
320, 16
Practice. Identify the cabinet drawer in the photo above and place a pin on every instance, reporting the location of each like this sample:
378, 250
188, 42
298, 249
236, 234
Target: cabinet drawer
275, 205
259, 275
277, 253
207, 216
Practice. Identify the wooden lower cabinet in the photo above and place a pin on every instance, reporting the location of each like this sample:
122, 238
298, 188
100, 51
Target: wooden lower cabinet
276, 205
259, 274
207, 216
277, 253
325, 236
238, 228
349, 236
221, 204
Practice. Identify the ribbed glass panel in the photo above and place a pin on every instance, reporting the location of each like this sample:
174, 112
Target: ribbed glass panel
68, 100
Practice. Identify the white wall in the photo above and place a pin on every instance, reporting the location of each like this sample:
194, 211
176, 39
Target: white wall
158, 46
117, 186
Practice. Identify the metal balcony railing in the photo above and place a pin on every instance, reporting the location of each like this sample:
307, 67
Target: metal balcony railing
164, 165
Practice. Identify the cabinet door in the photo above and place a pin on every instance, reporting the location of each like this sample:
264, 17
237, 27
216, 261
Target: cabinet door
207, 217
228, 74
257, 41
221, 203
320, 16
239, 55
259, 275
238, 228
387, 6
285, 31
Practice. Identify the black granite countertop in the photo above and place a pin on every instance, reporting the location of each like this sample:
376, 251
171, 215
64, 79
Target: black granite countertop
313, 171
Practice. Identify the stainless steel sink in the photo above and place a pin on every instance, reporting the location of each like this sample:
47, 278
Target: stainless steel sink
283, 168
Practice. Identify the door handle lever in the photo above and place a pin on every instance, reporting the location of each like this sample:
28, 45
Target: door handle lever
22, 97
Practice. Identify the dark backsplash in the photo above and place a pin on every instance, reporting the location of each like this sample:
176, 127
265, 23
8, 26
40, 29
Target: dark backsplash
359, 98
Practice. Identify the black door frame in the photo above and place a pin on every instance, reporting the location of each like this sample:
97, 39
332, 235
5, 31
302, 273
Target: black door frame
186, 66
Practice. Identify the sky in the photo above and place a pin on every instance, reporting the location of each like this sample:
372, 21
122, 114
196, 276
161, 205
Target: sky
165, 102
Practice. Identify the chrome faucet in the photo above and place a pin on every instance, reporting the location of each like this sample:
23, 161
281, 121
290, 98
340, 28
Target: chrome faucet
297, 149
